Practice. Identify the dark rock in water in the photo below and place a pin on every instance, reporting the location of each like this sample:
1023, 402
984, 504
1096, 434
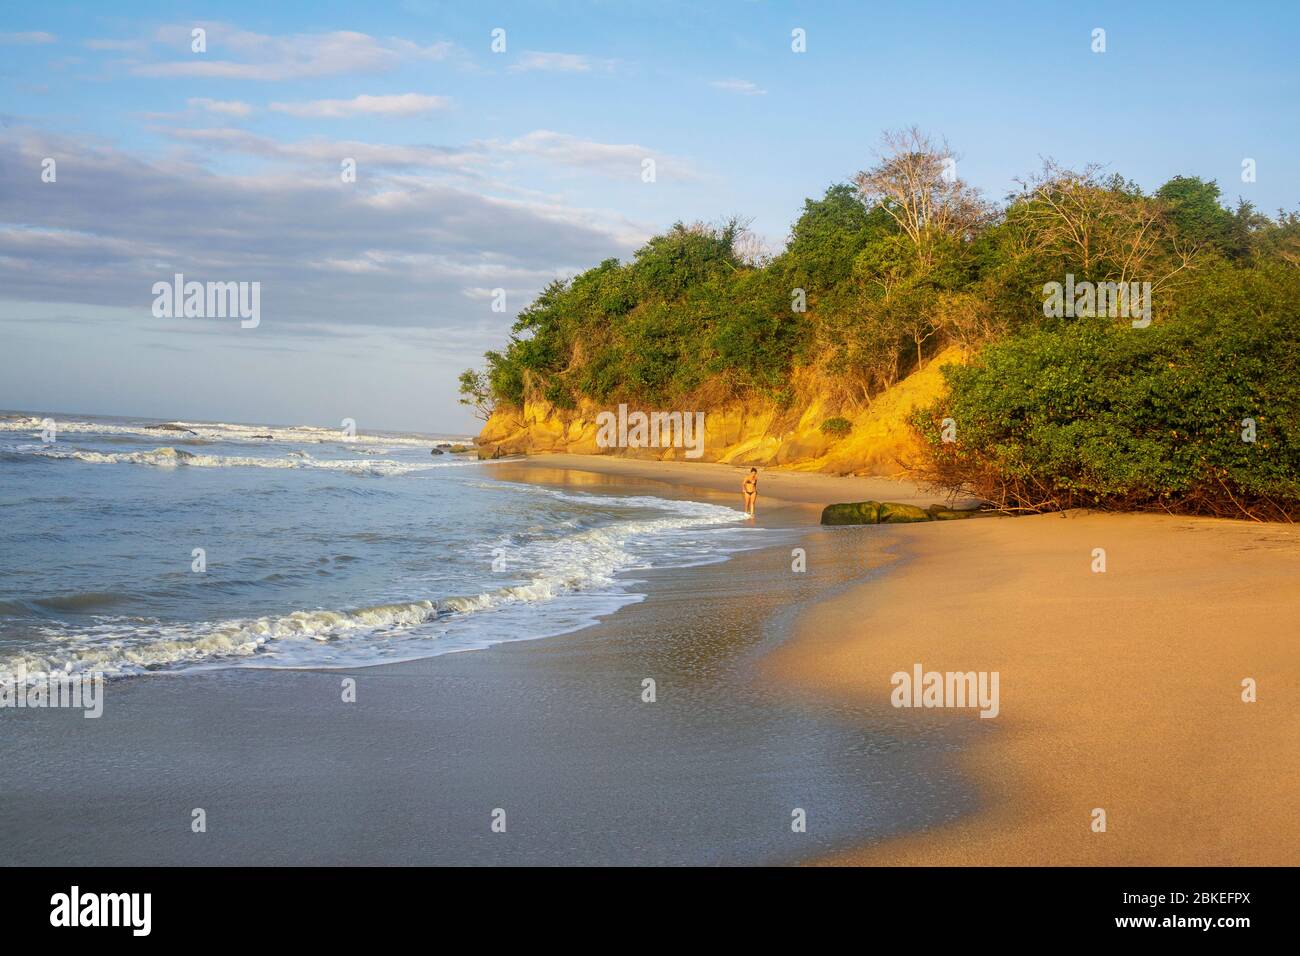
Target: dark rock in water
261, 436
160, 455
442, 444
172, 428
435, 451
887, 512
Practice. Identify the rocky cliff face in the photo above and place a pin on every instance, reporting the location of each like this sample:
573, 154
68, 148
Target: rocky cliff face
880, 443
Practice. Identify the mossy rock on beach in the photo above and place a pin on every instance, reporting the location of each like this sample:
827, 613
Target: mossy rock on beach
891, 512
854, 512
887, 512
943, 513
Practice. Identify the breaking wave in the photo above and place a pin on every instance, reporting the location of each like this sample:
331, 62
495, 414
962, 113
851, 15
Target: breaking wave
168, 457
581, 569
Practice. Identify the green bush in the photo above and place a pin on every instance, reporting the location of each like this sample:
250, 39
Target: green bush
559, 395
506, 379
837, 427
1098, 413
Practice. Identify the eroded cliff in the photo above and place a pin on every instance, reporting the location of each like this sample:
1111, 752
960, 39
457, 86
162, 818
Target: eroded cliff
881, 440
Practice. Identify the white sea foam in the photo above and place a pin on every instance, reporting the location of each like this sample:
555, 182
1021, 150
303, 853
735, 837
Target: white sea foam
168, 457
222, 431
585, 564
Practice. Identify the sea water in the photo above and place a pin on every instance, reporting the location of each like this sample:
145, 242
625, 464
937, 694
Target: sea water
133, 545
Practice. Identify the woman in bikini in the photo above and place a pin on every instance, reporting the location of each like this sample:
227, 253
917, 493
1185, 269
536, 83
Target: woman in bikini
750, 489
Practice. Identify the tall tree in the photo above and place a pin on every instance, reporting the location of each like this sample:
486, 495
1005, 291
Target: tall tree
916, 183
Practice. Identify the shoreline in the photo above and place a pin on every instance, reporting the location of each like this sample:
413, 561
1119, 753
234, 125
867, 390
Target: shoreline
783, 486
1120, 690
555, 731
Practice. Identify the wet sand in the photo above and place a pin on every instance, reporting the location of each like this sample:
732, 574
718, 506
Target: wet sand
1120, 690
784, 487
554, 732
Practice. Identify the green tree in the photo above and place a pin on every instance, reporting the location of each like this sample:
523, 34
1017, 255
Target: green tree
1196, 212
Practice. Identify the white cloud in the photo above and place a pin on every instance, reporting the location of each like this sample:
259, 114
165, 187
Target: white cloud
619, 160
559, 63
743, 87
392, 250
221, 107
269, 58
318, 150
401, 104
27, 39
572, 149
434, 51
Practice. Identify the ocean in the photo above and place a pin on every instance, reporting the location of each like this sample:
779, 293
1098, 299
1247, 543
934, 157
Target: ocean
275, 610
132, 545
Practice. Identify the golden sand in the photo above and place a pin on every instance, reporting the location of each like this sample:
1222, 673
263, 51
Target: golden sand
1119, 691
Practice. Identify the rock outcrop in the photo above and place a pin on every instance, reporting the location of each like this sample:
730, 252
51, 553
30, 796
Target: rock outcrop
879, 442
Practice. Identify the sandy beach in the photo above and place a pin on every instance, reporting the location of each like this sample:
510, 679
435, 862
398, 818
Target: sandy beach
1120, 690
784, 487
556, 732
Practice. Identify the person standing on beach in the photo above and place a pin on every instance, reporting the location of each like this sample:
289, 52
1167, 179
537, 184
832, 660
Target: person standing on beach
750, 488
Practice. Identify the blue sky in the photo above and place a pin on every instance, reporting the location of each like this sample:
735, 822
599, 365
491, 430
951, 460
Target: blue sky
480, 170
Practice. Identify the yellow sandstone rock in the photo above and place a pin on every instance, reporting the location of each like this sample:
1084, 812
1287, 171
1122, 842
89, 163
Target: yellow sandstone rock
880, 442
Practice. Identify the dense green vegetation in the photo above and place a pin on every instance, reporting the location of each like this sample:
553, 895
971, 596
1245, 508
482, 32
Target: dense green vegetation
878, 275
1200, 412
